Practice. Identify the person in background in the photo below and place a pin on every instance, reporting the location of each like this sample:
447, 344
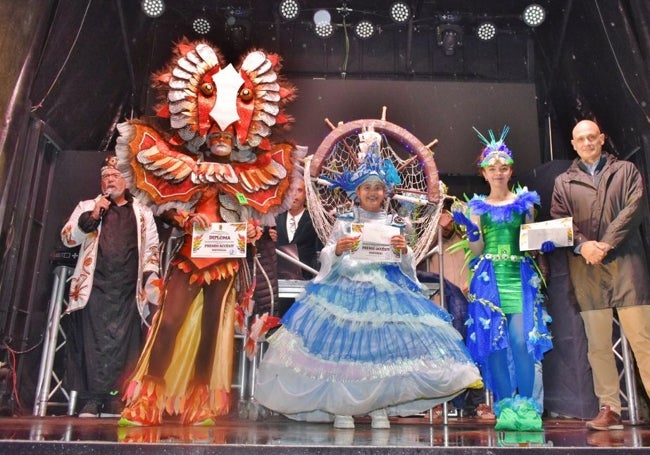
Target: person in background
608, 264
114, 289
294, 230
505, 313
363, 338
473, 401
294, 227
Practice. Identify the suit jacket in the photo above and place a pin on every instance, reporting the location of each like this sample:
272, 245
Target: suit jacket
305, 239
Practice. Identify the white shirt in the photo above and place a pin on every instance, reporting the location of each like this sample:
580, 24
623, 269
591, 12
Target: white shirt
292, 224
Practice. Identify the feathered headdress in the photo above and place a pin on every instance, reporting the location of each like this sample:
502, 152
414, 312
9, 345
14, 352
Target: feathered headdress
495, 150
372, 165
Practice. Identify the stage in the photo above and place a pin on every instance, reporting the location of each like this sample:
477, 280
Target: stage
278, 435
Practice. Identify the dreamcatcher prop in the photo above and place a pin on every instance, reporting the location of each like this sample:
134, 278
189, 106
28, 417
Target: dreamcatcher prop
418, 199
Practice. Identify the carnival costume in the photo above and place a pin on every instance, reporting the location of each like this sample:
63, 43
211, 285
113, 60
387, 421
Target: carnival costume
363, 336
505, 282
186, 366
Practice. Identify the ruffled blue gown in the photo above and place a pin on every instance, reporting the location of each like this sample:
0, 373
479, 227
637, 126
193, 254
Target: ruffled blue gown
363, 337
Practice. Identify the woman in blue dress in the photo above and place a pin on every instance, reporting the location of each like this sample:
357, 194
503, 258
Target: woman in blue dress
505, 314
363, 339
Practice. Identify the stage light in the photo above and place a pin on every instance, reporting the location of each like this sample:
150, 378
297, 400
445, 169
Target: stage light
486, 31
449, 38
364, 29
534, 15
153, 8
324, 29
400, 12
201, 25
289, 9
323, 23
322, 16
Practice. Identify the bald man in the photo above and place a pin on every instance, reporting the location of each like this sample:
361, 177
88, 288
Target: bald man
607, 265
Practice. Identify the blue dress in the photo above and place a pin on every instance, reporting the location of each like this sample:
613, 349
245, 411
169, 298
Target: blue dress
362, 337
505, 281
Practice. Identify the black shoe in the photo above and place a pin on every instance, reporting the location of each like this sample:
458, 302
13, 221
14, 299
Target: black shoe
112, 408
90, 409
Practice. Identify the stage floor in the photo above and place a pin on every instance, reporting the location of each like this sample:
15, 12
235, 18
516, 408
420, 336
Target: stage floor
278, 435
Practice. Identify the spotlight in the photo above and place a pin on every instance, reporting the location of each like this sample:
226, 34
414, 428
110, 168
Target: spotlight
400, 12
449, 37
289, 9
324, 29
201, 25
364, 29
534, 15
323, 23
322, 16
486, 31
153, 8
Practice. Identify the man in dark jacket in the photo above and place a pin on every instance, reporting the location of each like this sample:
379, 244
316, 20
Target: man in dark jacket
294, 227
607, 265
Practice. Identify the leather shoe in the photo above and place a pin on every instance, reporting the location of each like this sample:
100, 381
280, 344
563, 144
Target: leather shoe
90, 409
606, 420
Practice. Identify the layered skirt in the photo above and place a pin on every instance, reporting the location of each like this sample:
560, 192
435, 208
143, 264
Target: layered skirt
363, 338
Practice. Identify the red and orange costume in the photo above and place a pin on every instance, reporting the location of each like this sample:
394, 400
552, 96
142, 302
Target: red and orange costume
216, 162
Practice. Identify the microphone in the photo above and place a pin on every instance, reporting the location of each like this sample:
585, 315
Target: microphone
103, 210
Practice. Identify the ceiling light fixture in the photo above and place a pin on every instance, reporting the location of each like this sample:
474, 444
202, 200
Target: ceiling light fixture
449, 37
364, 29
324, 30
323, 23
289, 9
153, 8
400, 12
486, 31
201, 25
534, 15
322, 16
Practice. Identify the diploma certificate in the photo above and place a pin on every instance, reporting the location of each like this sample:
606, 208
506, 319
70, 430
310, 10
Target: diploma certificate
220, 240
374, 242
560, 232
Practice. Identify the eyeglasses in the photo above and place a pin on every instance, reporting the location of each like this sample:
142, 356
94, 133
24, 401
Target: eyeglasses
588, 138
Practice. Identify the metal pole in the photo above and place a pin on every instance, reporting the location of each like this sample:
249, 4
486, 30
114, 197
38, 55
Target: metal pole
49, 342
293, 260
630, 381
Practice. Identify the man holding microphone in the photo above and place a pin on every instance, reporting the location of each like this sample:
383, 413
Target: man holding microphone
115, 285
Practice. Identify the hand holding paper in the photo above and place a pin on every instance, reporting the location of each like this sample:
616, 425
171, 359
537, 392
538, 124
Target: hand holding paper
547, 247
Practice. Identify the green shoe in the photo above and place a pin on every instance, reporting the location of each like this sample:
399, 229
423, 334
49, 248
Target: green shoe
520, 439
124, 422
507, 420
209, 422
528, 419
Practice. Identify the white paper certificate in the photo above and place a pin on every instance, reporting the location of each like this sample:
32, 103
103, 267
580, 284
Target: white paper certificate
560, 232
220, 240
374, 242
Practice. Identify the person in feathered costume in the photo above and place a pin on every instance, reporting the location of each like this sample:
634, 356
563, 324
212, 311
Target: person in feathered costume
505, 310
216, 163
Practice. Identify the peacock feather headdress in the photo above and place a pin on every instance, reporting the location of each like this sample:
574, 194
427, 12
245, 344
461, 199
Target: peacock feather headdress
495, 150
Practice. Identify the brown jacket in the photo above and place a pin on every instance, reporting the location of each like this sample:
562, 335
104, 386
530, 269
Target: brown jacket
610, 212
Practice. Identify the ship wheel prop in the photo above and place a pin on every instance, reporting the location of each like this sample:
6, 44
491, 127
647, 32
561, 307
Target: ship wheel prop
417, 200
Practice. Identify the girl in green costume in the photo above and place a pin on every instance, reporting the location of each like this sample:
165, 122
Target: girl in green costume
505, 313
